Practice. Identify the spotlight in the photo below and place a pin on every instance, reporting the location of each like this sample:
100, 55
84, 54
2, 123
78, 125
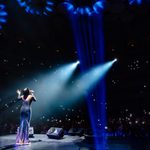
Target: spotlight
88, 80
98, 6
66, 7
78, 62
33, 8
87, 10
3, 15
80, 10
75, 64
115, 59
132, 2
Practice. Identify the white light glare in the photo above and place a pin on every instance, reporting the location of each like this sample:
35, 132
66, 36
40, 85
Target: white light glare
78, 62
115, 59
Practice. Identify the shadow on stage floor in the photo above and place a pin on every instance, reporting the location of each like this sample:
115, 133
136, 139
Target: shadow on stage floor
42, 142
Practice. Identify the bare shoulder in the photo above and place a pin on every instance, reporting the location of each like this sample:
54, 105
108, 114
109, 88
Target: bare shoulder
31, 97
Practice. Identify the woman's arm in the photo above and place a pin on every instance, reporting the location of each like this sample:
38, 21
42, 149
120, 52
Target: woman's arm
33, 97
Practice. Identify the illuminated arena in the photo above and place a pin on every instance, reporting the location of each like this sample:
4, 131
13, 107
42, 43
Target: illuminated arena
74, 74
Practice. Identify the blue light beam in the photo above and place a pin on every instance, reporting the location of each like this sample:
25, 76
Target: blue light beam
47, 86
51, 85
87, 81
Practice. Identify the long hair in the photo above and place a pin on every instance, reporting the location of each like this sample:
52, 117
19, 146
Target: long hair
26, 92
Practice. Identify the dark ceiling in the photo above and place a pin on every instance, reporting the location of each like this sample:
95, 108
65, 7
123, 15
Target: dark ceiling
31, 43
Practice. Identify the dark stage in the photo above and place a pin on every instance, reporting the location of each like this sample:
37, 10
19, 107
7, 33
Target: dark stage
41, 142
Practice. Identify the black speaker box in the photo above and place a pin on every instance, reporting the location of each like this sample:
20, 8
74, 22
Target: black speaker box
55, 133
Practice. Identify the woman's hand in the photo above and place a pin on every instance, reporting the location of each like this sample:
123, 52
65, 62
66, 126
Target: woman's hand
18, 92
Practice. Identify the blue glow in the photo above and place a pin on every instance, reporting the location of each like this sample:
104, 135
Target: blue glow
2, 20
31, 11
67, 6
88, 35
3, 15
27, 4
23, 4
80, 10
139, 2
131, 2
50, 3
87, 10
27, 9
48, 9
98, 6
2, 6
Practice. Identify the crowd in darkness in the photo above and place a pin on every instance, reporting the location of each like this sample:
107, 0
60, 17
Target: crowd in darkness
127, 125
51, 44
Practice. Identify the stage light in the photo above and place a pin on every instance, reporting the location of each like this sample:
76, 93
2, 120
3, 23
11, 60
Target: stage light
3, 15
78, 62
131, 2
67, 6
88, 34
80, 10
31, 8
88, 80
115, 59
139, 2
87, 10
98, 6
82, 87
69, 69
73, 65
83, 11
51, 87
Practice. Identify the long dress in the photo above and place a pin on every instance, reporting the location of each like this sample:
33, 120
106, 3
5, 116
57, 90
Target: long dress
25, 114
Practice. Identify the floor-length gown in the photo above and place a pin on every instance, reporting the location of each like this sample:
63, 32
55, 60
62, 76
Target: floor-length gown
25, 114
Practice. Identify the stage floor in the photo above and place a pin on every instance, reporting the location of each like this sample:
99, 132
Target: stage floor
42, 142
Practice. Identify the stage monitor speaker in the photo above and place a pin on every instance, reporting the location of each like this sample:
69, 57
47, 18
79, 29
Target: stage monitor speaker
55, 133
76, 131
31, 131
